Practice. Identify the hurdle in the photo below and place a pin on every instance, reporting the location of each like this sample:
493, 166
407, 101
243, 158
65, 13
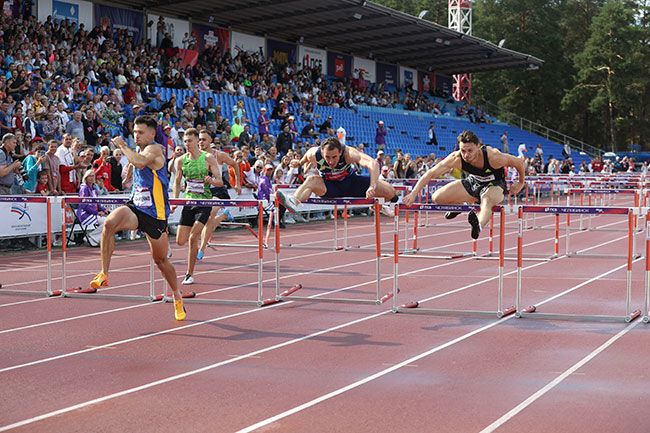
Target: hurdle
49, 292
609, 193
415, 250
260, 301
592, 210
287, 295
531, 311
88, 292
336, 203
414, 306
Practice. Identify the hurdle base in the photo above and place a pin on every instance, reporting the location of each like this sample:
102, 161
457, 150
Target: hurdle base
578, 254
580, 317
291, 290
85, 293
453, 312
330, 300
54, 293
240, 302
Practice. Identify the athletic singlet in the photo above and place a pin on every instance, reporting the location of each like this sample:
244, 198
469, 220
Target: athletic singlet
149, 192
485, 174
195, 171
341, 171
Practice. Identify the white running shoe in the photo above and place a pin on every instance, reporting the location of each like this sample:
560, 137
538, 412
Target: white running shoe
188, 280
387, 210
288, 201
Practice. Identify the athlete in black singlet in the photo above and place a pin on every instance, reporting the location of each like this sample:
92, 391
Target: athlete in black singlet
485, 182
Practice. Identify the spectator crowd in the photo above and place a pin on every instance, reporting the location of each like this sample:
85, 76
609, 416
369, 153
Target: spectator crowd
66, 90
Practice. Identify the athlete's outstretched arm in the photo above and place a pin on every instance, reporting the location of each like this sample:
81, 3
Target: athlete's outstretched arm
443, 167
354, 156
150, 156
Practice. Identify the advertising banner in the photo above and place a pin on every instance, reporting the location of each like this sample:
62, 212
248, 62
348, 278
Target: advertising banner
426, 81
27, 219
280, 53
118, 19
65, 11
339, 65
387, 74
444, 85
312, 57
408, 78
367, 69
248, 43
207, 36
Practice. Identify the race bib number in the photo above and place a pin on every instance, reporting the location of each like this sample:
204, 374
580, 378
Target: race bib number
195, 186
489, 178
142, 197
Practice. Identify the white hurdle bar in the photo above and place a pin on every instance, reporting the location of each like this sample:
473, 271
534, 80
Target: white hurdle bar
413, 307
287, 295
531, 311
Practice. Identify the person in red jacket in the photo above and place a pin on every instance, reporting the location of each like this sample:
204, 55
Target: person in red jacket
103, 168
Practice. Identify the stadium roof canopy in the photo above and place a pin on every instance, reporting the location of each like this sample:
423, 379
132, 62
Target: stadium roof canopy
357, 27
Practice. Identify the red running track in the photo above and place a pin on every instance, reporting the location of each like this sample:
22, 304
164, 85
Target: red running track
71, 365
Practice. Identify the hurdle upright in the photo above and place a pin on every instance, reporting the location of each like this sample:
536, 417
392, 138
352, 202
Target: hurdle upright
287, 295
413, 307
48, 214
531, 311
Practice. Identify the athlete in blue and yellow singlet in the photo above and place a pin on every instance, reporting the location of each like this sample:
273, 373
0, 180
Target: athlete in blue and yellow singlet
147, 210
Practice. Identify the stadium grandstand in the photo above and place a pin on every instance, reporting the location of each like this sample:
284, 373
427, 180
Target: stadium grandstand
291, 216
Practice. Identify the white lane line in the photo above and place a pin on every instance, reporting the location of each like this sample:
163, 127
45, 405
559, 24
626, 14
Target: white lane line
209, 367
268, 280
264, 350
382, 373
530, 400
199, 293
120, 253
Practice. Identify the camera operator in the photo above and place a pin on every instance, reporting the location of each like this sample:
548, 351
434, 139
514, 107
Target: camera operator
10, 168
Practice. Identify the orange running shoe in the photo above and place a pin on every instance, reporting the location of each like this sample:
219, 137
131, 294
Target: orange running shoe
179, 310
100, 280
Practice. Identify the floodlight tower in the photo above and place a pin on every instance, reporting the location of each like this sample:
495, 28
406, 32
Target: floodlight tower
460, 19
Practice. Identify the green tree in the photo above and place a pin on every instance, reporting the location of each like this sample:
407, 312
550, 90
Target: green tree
607, 72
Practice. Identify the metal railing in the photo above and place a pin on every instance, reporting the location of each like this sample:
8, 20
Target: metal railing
541, 130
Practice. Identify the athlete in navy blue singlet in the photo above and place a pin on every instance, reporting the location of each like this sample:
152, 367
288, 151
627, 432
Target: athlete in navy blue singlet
338, 177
